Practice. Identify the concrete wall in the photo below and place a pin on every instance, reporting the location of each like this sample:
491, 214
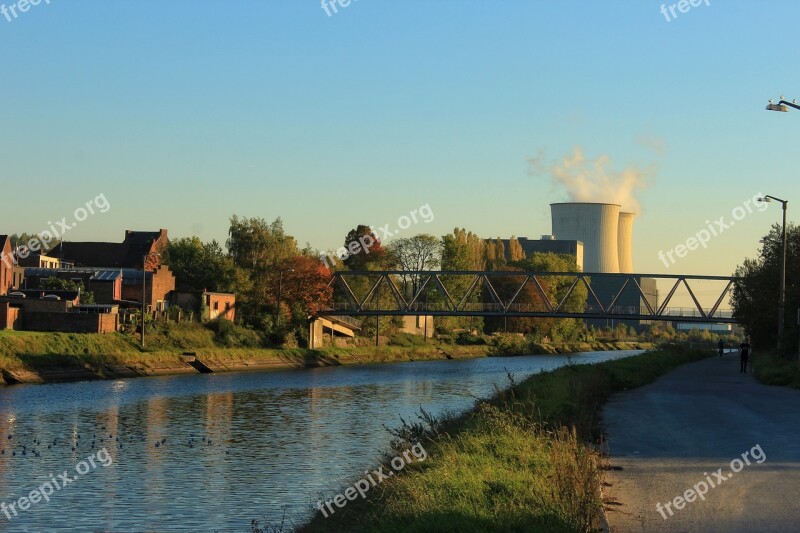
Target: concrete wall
625, 242
416, 325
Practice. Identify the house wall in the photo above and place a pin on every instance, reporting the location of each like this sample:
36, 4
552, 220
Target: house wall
6, 268
31, 305
18, 277
107, 292
160, 285
10, 317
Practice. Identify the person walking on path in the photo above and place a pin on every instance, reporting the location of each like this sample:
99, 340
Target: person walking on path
744, 354
721, 346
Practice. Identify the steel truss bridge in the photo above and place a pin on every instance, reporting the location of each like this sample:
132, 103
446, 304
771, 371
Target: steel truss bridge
523, 294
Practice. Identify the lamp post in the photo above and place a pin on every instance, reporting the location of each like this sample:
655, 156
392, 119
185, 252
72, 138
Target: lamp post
782, 106
280, 289
782, 297
144, 287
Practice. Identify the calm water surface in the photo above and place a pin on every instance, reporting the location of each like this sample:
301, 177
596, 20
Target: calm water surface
235, 446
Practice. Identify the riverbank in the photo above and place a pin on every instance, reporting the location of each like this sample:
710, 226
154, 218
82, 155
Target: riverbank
35, 357
526, 460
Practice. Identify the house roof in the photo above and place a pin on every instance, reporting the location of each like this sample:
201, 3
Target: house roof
97, 274
127, 254
3, 240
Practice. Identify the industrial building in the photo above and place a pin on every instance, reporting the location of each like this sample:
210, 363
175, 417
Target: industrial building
607, 236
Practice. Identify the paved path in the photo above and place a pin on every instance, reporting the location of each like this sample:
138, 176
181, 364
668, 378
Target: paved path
677, 432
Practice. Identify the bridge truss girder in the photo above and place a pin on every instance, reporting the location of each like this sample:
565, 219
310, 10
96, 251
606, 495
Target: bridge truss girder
454, 305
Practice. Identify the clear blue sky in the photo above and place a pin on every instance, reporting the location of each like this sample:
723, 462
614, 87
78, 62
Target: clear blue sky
183, 114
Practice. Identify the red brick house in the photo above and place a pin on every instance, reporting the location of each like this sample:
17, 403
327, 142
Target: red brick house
6, 265
220, 305
159, 287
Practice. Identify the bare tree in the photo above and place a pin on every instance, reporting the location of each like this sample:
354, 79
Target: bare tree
416, 254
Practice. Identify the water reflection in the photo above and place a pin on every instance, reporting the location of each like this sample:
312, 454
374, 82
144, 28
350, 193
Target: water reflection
214, 451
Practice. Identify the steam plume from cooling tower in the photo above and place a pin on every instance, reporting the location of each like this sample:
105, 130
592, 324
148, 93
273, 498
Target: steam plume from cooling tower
595, 180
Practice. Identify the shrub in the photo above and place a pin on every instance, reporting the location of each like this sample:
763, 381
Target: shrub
406, 340
508, 344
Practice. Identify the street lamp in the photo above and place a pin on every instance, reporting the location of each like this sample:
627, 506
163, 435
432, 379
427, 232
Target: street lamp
782, 105
782, 300
144, 286
280, 289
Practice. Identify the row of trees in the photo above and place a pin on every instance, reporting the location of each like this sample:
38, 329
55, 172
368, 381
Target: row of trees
278, 284
755, 296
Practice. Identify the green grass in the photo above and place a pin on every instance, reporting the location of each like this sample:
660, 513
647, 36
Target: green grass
771, 369
521, 461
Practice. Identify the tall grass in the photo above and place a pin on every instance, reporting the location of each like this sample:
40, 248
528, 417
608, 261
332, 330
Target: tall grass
772, 369
525, 460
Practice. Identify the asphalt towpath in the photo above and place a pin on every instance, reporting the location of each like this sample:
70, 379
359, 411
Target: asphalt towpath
704, 428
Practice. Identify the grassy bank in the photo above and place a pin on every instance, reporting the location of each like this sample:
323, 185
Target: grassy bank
43, 357
525, 460
771, 369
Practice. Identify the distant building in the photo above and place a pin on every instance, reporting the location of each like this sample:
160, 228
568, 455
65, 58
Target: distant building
548, 244
40, 260
218, 304
113, 286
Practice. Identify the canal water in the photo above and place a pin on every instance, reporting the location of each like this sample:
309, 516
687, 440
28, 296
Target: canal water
212, 452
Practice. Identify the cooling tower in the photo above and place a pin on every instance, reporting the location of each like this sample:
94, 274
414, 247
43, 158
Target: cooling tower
594, 224
625, 242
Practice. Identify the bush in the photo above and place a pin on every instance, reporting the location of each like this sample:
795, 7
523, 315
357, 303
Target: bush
466, 339
508, 344
406, 340
229, 334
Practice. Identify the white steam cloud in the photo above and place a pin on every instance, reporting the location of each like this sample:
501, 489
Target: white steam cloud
595, 180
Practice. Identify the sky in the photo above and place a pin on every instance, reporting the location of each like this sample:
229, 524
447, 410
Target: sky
179, 115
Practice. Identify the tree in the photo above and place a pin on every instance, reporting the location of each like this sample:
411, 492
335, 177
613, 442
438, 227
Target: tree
528, 299
461, 250
556, 288
364, 249
24, 239
257, 245
415, 254
515, 251
306, 285
59, 284
260, 249
755, 295
495, 254
201, 266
